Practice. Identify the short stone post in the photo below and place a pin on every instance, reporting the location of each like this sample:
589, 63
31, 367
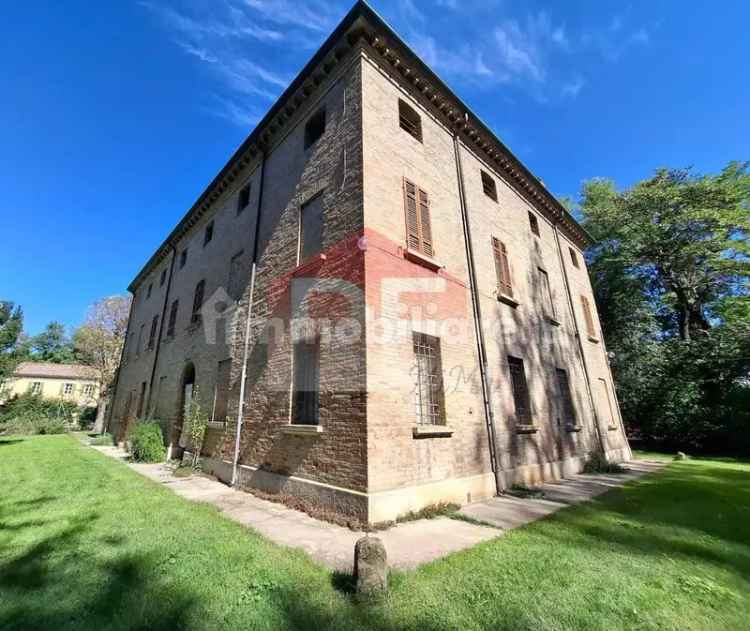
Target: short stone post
370, 566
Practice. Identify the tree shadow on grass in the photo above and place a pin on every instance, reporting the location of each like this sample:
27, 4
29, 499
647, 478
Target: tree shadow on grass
42, 591
4, 442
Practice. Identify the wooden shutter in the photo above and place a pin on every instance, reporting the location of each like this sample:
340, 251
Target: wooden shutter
412, 216
502, 268
587, 315
424, 222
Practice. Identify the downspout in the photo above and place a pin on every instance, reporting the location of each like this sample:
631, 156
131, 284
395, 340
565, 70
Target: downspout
477, 316
578, 338
161, 329
246, 344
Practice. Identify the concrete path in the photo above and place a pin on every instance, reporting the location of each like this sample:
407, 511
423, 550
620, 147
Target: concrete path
408, 545
508, 512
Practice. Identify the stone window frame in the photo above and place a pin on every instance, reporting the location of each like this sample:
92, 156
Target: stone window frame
305, 387
208, 233
489, 186
522, 412
315, 127
534, 224
172, 322
429, 389
574, 258
243, 198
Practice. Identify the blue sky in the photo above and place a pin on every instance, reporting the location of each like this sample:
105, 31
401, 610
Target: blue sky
115, 115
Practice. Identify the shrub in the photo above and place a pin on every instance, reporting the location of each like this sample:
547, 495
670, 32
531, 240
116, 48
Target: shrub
146, 442
598, 463
31, 414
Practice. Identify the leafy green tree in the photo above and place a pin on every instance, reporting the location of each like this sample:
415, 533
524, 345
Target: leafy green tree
671, 272
53, 345
11, 329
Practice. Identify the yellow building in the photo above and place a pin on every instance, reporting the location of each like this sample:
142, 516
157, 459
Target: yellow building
75, 383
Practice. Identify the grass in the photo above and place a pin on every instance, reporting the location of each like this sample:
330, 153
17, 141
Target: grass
87, 544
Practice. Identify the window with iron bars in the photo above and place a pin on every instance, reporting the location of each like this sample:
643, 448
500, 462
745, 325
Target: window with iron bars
429, 397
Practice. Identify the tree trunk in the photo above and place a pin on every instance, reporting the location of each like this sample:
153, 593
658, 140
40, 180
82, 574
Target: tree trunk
101, 408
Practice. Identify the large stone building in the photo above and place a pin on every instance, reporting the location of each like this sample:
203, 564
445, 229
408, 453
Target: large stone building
394, 310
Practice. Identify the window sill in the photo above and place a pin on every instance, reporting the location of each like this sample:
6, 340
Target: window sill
216, 425
552, 321
573, 428
431, 431
302, 430
422, 259
592, 339
508, 300
526, 429
611, 428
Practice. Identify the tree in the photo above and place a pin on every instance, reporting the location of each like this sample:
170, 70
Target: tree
99, 341
687, 234
11, 329
53, 345
671, 272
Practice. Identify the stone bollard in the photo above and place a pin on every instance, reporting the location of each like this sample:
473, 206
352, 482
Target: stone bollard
370, 566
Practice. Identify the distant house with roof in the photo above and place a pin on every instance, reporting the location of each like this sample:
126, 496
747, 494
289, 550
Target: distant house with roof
75, 383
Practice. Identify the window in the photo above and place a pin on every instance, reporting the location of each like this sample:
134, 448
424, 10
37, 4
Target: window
208, 234
160, 396
152, 334
489, 186
534, 223
563, 386
409, 120
429, 398
588, 317
163, 278
548, 304
315, 127
88, 390
183, 258
311, 228
221, 392
305, 401
139, 348
67, 389
573, 257
418, 229
502, 268
243, 199
236, 284
148, 291
606, 403
172, 318
141, 400
520, 390
36, 387
195, 318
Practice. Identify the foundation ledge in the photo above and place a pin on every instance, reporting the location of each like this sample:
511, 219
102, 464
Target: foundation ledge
431, 431
526, 429
508, 300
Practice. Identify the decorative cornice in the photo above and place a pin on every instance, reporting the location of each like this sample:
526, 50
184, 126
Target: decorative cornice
363, 23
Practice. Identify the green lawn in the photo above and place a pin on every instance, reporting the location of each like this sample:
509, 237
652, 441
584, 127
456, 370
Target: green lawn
85, 543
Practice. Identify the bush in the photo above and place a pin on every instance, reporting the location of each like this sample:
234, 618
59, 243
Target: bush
146, 442
31, 414
598, 463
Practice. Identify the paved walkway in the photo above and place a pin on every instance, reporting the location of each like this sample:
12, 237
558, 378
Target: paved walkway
409, 544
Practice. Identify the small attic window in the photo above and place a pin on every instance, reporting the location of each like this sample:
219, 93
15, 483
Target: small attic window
315, 127
489, 186
409, 120
533, 223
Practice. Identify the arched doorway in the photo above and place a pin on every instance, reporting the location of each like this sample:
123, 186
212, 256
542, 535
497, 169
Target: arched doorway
187, 385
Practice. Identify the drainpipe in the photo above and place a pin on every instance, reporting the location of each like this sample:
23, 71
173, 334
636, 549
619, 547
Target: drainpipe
248, 322
161, 329
477, 316
578, 338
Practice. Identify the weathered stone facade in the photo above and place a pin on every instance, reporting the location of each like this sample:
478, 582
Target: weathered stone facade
365, 295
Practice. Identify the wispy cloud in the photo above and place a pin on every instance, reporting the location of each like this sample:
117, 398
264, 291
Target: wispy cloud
615, 40
572, 87
222, 37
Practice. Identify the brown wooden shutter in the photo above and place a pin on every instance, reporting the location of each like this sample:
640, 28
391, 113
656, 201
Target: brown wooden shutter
502, 268
424, 223
587, 315
412, 216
